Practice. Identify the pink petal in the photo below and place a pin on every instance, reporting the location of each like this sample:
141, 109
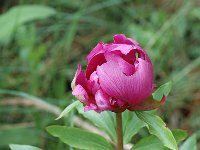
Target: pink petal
80, 77
130, 57
132, 89
108, 78
124, 48
105, 102
94, 79
127, 68
122, 39
80, 93
141, 82
117, 103
102, 100
90, 107
127, 50
95, 61
95, 51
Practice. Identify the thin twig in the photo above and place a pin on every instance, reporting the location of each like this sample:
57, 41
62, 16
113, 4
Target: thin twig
17, 125
29, 103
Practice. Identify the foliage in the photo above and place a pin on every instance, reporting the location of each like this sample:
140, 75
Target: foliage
79, 138
158, 128
39, 54
153, 143
19, 15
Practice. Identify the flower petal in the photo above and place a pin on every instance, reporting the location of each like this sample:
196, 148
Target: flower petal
130, 57
95, 51
80, 77
122, 39
90, 107
102, 100
95, 61
132, 89
109, 76
80, 93
124, 48
127, 68
94, 79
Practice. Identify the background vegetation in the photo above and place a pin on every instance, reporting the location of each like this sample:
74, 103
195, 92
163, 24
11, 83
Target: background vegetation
42, 41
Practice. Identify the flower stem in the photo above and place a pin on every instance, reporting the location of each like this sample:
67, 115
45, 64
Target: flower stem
119, 131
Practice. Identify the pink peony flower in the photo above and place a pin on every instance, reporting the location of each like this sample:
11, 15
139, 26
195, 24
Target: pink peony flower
118, 76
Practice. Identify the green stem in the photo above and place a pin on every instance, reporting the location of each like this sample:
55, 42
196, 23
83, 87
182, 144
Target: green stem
119, 131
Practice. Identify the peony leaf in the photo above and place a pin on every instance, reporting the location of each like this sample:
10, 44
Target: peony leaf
23, 147
131, 125
19, 15
179, 135
190, 143
79, 138
150, 143
68, 109
104, 120
158, 128
163, 90
153, 143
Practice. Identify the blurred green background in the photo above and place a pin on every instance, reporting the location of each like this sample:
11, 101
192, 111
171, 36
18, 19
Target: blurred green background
42, 41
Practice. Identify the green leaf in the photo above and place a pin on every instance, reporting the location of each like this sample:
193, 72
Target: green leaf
19, 15
104, 120
179, 135
150, 143
158, 128
190, 143
68, 109
22, 147
131, 125
78, 138
162, 90
153, 143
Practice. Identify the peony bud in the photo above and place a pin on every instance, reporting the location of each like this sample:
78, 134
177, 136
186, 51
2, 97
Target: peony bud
118, 76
